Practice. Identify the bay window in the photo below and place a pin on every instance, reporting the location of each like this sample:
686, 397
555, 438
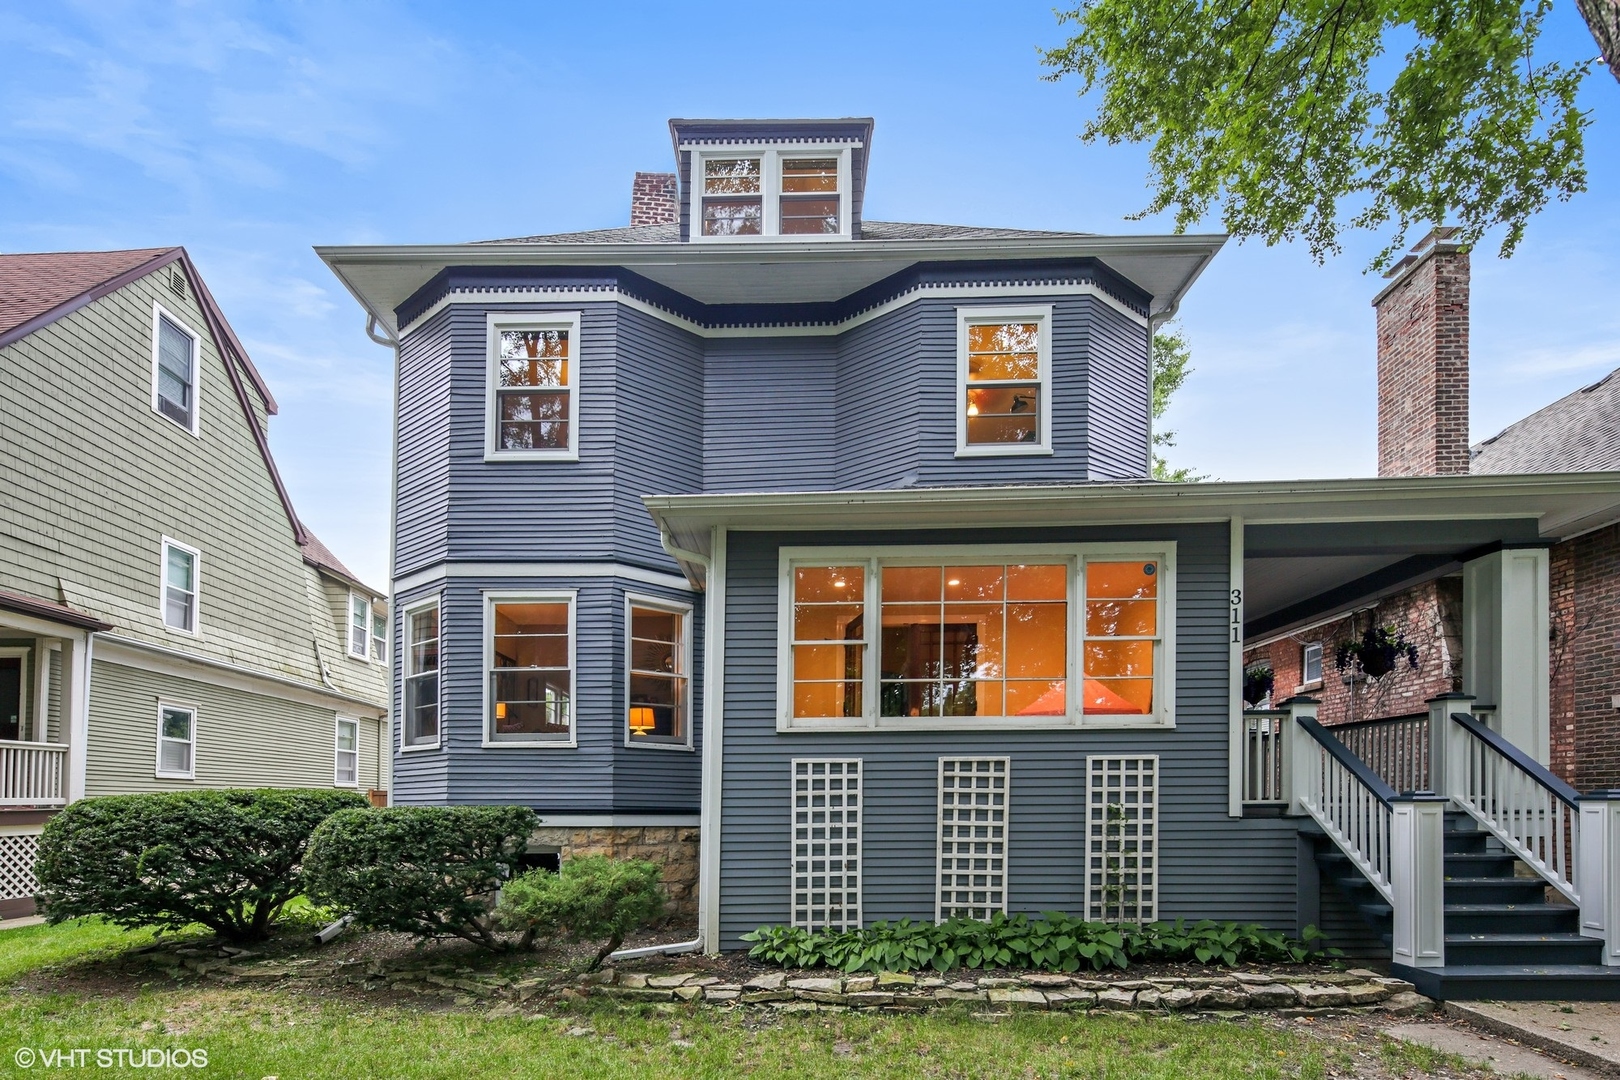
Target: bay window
420, 724
1012, 637
532, 398
529, 669
658, 675
1003, 365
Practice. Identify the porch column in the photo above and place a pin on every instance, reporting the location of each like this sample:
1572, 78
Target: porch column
1417, 867
75, 709
1300, 763
1598, 871
1505, 654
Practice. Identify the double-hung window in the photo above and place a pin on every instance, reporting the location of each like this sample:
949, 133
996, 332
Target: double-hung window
180, 585
1003, 400
379, 632
733, 196
1310, 663
533, 393
420, 724
981, 637
763, 192
174, 369
177, 742
529, 652
359, 625
346, 754
658, 710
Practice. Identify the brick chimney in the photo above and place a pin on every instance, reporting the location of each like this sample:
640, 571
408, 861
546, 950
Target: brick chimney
653, 200
1423, 361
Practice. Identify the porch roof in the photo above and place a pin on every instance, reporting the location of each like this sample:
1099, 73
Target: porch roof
50, 612
1498, 509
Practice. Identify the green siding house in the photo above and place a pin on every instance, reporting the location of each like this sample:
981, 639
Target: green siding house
166, 622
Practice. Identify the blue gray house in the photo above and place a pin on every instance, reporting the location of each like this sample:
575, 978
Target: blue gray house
819, 555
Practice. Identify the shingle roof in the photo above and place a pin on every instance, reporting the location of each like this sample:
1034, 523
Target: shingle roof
870, 230
1579, 432
320, 556
33, 284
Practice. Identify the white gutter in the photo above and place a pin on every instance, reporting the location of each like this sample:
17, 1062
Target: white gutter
385, 775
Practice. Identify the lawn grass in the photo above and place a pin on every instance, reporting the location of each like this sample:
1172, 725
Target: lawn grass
28, 947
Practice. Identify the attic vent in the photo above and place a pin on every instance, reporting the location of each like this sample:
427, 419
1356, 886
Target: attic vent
177, 281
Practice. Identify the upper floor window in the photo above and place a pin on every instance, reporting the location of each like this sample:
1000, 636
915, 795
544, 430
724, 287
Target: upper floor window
659, 662
1003, 374
799, 192
532, 408
1310, 663
180, 585
174, 369
529, 665
359, 625
420, 724
379, 632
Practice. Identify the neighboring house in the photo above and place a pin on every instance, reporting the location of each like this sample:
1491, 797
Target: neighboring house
1579, 433
166, 623
821, 552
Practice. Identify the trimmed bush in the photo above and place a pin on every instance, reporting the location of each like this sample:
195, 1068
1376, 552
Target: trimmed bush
591, 898
229, 860
1052, 942
432, 871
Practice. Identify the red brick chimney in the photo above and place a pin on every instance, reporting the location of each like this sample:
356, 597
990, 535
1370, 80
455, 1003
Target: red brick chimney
653, 200
1423, 361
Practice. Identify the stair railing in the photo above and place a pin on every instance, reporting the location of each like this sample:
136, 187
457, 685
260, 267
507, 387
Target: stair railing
1351, 803
1533, 813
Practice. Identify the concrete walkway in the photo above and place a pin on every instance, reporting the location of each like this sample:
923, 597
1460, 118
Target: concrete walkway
1505, 1056
1585, 1032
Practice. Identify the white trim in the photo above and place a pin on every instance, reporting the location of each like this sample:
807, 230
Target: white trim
42, 689
970, 828
712, 802
144, 656
195, 629
1041, 315
432, 601
1304, 675
1075, 555
770, 188
1234, 668
541, 596
619, 821
163, 706
1145, 829
27, 695
836, 830
161, 312
497, 321
348, 628
684, 645
337, 750
609, 294
447, 570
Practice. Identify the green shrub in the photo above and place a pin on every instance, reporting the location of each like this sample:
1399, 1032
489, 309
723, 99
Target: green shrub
1053, 941
591, 898
229, 860
431, 871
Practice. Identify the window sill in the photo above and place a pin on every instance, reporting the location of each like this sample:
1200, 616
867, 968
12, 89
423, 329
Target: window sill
642, 744
763, 238
417, 748
530, 455
532, 744
892, 724
1013, 450
175, 776
1314, 684
182, 630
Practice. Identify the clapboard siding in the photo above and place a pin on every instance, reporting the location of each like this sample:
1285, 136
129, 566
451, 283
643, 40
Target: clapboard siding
598, 776
1117, 396
660, 427
1046, 814
769, 414
422, 467
881, 385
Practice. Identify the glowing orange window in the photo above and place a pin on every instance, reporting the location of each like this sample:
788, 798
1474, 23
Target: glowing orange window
1003, 383
1122, 634
829, 641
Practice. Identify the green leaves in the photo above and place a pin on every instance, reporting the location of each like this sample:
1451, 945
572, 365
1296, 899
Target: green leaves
591, 898
1289, 115
1053, 942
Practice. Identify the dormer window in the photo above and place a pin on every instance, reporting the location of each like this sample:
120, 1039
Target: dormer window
765, 193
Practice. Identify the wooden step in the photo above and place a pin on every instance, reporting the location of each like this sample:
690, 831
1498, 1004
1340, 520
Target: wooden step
1486, 949
1531, 918
1514, 982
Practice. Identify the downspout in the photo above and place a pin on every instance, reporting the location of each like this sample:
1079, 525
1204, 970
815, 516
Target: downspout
680, 554
389, 341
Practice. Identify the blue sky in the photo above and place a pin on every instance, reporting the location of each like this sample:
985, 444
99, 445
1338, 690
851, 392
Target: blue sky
251, 132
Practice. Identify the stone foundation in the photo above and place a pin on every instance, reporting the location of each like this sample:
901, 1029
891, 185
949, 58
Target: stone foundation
673, 848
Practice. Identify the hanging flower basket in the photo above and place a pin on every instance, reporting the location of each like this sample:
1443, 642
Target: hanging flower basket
1257, 684
1376, 652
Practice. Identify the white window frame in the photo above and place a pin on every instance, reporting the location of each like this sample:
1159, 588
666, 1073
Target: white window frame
1075, 555
338, 751
536, 596
195, 629
530, 320
348, 627
674, 607
405, 674
161, 312
770, 170
1304, 650
164, 706
1041, 314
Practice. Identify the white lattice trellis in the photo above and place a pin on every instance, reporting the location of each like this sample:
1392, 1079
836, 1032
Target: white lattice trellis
1122, 838
827, 843
17, 854
972, 837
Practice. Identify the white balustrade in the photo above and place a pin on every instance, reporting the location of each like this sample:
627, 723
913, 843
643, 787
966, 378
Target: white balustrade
32, 774
1396, 748
1263, 751
1350, 804
1599, 870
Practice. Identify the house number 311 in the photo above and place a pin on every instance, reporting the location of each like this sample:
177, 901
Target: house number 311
1237, 621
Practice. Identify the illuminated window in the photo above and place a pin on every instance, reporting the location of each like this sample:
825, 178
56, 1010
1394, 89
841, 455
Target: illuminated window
1121, 636
659, 701
733, 197
829, 641
531, 684
1002, 391
532, 387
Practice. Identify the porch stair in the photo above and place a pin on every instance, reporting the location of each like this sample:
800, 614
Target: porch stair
1505, 940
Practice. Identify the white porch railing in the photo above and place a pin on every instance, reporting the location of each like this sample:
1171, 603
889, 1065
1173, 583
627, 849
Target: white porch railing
1263, 750
33, 774
1532, 812
1396, 748
1351, 803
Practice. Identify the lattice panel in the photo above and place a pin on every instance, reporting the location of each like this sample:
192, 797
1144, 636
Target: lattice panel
972, 837
827, 843
1122, 838
17, 855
